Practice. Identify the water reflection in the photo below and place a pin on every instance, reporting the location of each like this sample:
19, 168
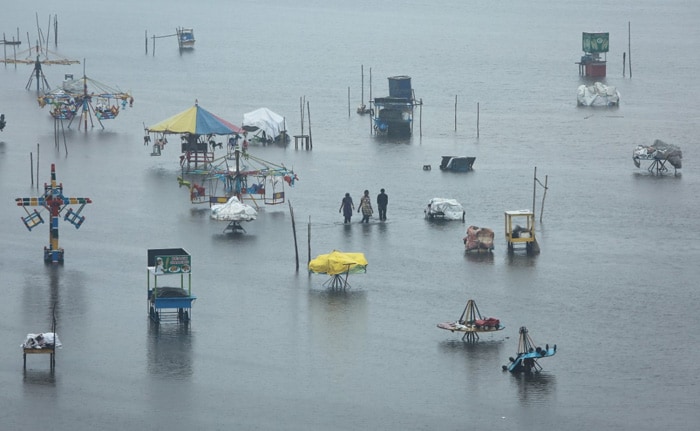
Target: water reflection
520, 258
39, 378
338, 319
533, 388
485, 258
169, 350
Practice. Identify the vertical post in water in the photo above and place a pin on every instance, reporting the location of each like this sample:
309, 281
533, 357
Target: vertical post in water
294, 233
624, 60
37, 165
477, 120
534, 192
629, 45
348, 101
455, 112
544, 195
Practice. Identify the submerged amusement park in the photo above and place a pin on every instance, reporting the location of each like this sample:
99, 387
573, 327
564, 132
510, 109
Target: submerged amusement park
458, 239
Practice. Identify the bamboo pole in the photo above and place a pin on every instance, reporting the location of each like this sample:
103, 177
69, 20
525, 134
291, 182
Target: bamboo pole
308, 243
294, 233
534, 191
544, 195
308, 112
455, 112
37, 165
629, 45
477, 120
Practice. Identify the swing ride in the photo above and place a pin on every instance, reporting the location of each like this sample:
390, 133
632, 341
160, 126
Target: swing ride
339, 266
242, 175
528, 354
472, 323
55, 202
214, 180
86, 99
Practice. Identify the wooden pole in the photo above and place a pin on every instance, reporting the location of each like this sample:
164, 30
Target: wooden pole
294, 233
455, 112
37, 165
624, 54
420, 118
534, 191
31, 167
308, 243
477, 119
544, 195
629, 45
311, 141
145, 32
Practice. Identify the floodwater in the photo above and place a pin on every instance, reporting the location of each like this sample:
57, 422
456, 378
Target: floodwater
268, 346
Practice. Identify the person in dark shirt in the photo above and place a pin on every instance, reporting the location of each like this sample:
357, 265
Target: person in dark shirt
382, 202
346, 206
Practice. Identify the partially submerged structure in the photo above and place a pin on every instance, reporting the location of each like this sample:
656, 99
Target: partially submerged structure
595, 50
597, 95
444, 209
393, 115
169, 302
457, 163
528, 353
517, 235
658, 154
55, 203
478, 239
471, 323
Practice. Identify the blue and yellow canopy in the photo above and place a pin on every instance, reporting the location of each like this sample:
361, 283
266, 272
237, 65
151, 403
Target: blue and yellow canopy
197, 121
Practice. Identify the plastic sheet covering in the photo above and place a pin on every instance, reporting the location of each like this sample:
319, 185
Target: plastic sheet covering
233, 210
338, 262
659, 150
598, 94
448, 209
44, 340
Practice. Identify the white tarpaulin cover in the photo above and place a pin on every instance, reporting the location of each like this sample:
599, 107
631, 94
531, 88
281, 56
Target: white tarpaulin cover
598, 94
269, 122
233, 210
448, 209
41, 341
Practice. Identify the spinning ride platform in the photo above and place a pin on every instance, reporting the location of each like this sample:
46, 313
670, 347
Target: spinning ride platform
471, 323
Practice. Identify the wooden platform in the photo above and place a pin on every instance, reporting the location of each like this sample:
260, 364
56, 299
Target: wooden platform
44, 351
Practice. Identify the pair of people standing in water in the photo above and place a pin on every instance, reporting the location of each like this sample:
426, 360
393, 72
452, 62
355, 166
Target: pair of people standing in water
347, 206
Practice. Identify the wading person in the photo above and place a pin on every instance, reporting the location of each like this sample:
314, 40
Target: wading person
347, 206
365, 207
382, 202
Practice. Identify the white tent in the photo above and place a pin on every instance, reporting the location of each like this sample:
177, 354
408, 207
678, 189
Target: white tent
263, 119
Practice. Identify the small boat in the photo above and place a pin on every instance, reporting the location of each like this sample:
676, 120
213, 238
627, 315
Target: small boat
526, 359
185, 38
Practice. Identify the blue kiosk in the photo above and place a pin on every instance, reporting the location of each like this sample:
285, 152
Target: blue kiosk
169, 303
